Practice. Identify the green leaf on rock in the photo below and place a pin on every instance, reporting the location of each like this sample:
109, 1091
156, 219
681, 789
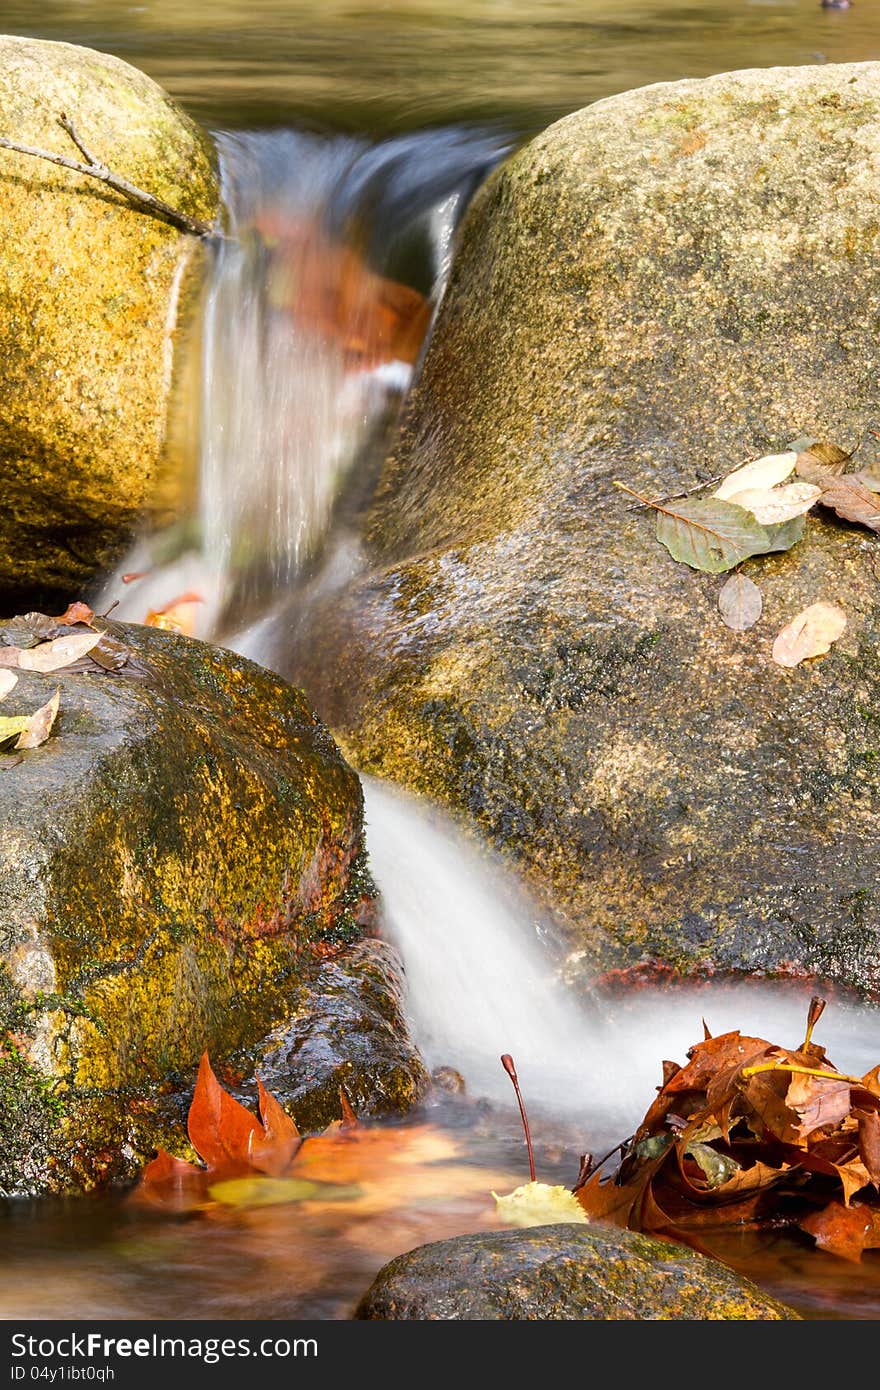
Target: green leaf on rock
709, 535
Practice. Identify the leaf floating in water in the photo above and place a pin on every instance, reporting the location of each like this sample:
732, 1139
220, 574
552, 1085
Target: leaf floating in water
740, 603
810, 634
773, 506
845, 1230
262, 1192
8, 681
60, 652
538, 1204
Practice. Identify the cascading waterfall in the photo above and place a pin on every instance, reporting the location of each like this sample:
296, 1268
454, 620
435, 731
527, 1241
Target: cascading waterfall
319, 295
481, 982
335, 252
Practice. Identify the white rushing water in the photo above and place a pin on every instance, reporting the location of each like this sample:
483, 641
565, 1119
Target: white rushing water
481, 983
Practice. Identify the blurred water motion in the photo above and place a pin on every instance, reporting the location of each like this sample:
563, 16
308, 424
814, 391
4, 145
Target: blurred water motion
411, 63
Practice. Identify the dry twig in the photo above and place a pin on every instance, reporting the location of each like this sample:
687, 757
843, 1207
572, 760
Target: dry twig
94, 169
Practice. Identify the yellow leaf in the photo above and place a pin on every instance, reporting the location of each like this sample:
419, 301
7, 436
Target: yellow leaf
810, 634
538, 1204
761, 473
262, 1192
771, 506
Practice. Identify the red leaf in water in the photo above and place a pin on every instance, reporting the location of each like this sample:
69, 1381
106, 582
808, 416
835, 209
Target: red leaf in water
844, 1231
170, 1182
272, 1151
221, 1131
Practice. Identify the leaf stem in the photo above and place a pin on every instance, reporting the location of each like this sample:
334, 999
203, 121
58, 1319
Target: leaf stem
802, 1071
507, 1064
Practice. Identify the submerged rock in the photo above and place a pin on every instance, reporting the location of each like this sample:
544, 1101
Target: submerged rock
170, 862
350, 1030
90, 289
563, 1273
655, 289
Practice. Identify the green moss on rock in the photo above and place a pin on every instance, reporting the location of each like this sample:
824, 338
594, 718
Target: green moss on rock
569, 1273
169, 860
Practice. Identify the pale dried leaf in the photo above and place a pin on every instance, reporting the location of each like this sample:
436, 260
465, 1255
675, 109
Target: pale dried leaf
740, 603
60, 652
761, 473
39, 725
810, 634
538, 1204
8, 681
772, 506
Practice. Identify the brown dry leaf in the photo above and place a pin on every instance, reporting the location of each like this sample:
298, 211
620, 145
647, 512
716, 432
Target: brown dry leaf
820, 461
810, 634
772, 506
8, 681
110, 653
817, 1102
740, 603
60, 652
869, 1143
77, 613
844, 1231
39, 725
764, 472
842, 493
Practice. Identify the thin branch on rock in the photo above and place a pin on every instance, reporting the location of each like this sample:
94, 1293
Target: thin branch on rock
94, 169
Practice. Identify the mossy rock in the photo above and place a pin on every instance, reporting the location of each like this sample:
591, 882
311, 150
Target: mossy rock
90, 292
171, 860
350, 1030
570, 1273
656, 289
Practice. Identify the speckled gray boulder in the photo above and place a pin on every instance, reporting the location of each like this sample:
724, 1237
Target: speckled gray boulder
563, 1273
656, 289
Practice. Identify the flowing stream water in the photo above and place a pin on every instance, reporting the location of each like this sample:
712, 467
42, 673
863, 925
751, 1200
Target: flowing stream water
314, 311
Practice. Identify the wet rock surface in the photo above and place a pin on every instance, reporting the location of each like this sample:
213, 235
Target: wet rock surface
563, 1273
91, 290
350, 1031
171, 860
654, 290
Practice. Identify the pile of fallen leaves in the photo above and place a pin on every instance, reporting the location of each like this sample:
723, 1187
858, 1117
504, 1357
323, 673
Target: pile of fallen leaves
749, 1132
757, 510
37, 642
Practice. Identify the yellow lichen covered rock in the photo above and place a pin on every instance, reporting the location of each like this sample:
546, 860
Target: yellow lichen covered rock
174, 862
90, 289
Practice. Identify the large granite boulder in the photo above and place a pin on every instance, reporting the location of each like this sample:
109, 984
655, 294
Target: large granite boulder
657, 288
175, 862
572, 1273
90, 293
